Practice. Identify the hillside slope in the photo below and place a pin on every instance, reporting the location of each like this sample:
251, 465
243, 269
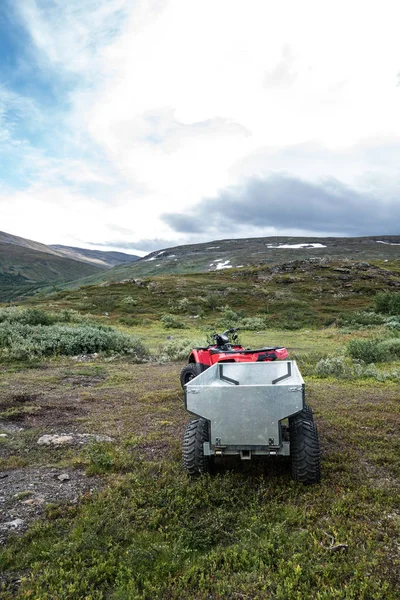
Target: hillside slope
295, 294
23, 270
101, 258
8, 238
225, 254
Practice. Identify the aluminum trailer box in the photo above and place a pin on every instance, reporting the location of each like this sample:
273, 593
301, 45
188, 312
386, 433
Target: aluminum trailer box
240, 409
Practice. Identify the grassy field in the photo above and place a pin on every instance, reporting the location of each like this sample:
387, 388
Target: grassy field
127, 523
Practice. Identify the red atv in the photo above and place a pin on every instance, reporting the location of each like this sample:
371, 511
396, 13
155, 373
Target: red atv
223, 351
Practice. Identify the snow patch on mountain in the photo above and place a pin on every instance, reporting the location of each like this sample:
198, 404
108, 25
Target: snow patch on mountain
387, 243
298, 246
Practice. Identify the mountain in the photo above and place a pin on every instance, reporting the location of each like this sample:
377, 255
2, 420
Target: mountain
101, 258
26, 266
194, 258
41, 266
7, 238
225, 254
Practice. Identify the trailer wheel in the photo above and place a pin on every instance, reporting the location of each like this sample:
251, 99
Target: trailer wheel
304, 449
189, 372
193, 458
307, 412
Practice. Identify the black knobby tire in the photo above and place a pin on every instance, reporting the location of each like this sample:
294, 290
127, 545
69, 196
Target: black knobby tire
189, 372
304, 448
193, 458
307, 412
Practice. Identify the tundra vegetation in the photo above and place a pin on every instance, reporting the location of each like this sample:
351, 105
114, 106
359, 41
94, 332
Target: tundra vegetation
105, 361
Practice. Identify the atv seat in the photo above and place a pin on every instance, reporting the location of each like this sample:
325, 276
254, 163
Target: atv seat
266, 349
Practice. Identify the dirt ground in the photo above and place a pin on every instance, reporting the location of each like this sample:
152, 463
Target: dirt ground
50, 416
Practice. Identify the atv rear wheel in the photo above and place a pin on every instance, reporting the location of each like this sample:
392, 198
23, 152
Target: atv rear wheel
304, 448
189, 372
193, 458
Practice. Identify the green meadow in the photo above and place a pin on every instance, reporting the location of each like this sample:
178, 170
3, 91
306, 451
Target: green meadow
105, 361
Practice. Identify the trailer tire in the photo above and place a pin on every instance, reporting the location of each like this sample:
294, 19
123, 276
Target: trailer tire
189, 372
304, 449
193, 458
307, 412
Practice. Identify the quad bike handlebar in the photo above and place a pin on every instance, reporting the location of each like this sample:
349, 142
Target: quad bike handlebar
222, 339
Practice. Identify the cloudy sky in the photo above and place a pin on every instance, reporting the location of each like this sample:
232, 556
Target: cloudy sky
142, 124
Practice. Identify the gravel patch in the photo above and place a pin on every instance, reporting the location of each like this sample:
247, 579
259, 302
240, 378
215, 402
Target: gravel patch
24, 494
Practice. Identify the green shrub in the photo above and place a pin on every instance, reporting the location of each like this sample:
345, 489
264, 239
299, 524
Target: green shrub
176, 349
181, 305
68, 315
360, 319
393, 323
128, 304
345, 368
27, 316
36, 316
229, 318
293, 316
104, 303
171, 322
131, 321
211, 301
256, 323
391, 346
23, 342
100, 458
387, 303
336, 366
369, 350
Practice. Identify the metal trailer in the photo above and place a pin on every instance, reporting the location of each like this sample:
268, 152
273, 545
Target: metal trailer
250, 409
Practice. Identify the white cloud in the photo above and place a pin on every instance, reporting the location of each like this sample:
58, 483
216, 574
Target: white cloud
177, 100
69, 34
203, 63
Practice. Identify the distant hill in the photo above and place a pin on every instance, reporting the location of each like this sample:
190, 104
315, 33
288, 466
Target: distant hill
194, 258
245, 252
41, 266
101, 258
7, 238
27, 266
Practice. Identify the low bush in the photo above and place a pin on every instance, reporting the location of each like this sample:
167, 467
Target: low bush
367, 350
393, 323
211, 301
128, 304
360, 319
131, 321
256, 323
104, 303
342, 367
172, 322
231, 318
100, 457
293, 316
27, 316
391, 346
176, 349
335, 366
38, 316
387, 303
24, 342
180, 306
374, 350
